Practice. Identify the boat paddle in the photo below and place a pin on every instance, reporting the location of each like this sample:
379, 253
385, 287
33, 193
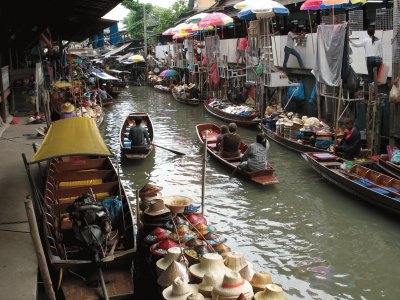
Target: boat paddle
234, 171
173, 151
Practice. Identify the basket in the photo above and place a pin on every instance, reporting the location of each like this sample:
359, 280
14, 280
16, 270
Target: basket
177, 204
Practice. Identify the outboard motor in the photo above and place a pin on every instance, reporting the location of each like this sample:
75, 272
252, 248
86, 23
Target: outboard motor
91, 225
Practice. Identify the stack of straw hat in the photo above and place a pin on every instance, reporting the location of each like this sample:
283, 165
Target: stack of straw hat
174, 254
210, 262
179, 289
231, 287
271, 292
175, 269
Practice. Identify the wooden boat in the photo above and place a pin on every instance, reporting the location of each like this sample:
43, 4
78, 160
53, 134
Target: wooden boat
263, 177
162, 88
114, 90
364, 183
87, 169
388, 167
290, 143
245, 121
180, 99
125, 145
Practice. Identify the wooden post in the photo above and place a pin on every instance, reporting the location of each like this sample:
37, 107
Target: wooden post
48, 286
203, 173
318, 102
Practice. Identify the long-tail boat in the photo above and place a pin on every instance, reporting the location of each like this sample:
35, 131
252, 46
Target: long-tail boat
184, 100
139, 152
364, 183
263, 177
88, 225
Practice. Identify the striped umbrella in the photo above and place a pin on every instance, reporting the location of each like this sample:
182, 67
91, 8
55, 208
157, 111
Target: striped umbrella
216, 19
328, 4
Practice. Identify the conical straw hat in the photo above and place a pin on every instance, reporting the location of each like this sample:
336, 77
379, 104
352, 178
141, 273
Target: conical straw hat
232, 286
179, 290
210, 262
195, 296
271, 292
175, 269
260, 281
174, 254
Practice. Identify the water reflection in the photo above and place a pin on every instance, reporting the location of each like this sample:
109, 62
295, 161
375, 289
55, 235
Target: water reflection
315, 240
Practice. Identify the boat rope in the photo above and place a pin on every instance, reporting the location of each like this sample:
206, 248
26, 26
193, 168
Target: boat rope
180, 245
201, 236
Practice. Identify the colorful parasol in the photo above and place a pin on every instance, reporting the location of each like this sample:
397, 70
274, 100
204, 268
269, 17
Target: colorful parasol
328, 4
216, 19
183, 28
169, 31
136, 58
196, 18
252, 9
168, 73
181, 35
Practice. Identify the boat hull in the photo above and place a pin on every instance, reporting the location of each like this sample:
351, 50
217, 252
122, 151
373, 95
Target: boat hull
262, 177
241, 121
389, 167
333, 174
194, 102
136, 153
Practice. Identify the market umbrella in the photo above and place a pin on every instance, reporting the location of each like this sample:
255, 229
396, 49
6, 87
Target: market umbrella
169, 31
183, 28
250, 10
168, 73
196, 18
328, 4
216, 19
136, 58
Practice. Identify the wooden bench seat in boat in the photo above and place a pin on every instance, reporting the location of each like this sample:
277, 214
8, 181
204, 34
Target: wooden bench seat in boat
82, 164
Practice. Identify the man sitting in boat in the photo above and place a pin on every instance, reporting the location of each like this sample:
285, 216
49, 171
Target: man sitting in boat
192, 92
138, 134
255, 157
231, 142
102, 93
350, 145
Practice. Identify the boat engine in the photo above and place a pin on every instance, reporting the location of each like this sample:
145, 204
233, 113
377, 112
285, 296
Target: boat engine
91, 226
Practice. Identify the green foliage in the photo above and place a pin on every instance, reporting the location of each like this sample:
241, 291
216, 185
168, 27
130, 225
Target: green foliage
157, 17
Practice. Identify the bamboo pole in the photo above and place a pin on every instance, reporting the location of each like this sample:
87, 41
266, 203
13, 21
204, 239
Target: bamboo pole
318, 101
203, 173
44, 271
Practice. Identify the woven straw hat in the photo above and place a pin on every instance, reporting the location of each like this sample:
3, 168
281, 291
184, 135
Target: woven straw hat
175, 269
210, 262
210, 280
247, 272
195, 242
177, 204
156, 208
260, 281
149, 190
271, 292
232, 286
195, 296
174, 254
67, 108
161, 248
222, 249
241, 297
179, 290
235, 261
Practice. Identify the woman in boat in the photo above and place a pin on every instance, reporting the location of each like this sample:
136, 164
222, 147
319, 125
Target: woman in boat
350, 145
224, 129
138, 134
231, 142
255, 157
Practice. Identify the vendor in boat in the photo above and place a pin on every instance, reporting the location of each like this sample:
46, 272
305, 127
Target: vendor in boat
138, 134
255, 156
102, 93
224, 129
67, 110
231, 142
192, 91
350, 145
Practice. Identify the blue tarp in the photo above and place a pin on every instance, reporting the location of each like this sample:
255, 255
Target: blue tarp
115, 38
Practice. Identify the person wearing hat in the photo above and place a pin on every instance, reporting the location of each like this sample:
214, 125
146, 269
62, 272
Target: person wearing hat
350, 145
255, 157
192, 92
224, 129
231, 142
67, 110
138, 134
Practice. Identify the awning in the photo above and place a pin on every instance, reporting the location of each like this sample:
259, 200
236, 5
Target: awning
116, 50
119, 72
104, 76
125, 56
72, 136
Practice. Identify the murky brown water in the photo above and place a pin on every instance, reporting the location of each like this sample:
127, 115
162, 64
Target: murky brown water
316, 241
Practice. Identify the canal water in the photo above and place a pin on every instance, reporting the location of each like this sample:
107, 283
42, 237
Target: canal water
315, 240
